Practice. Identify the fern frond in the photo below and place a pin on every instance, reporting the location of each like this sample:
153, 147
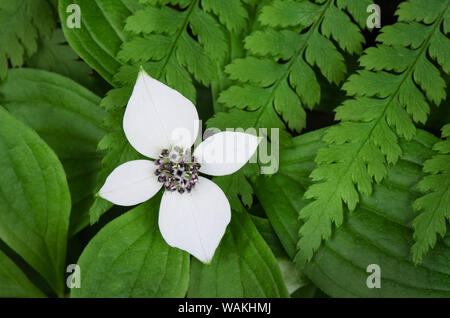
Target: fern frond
21, 22
434, 206
277, 78
177, 43
393, 91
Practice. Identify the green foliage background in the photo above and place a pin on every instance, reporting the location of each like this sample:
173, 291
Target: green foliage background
364, 127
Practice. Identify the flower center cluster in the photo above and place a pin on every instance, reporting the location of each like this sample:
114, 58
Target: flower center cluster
177, 170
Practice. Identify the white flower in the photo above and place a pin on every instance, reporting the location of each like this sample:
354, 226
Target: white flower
162, 124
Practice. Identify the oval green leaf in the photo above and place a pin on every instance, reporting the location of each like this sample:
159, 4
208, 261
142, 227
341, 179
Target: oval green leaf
34, 200
243, 266
69, 119
129, 258
13, 282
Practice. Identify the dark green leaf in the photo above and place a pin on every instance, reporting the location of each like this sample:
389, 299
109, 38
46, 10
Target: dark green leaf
34, 200
129, 258
13, 282
243, 266
68, 117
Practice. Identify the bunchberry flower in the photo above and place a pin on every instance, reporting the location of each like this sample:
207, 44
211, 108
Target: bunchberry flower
162, 124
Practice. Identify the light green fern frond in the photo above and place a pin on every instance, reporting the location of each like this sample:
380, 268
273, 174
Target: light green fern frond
174, 44
21, 22
277, 79
395, 89
434, 206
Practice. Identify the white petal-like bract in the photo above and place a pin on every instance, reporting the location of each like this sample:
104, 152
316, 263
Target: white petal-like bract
225, 152
131, 183
158, 117
195, 222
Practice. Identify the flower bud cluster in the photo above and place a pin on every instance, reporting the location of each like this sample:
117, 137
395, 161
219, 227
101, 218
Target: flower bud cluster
177, 170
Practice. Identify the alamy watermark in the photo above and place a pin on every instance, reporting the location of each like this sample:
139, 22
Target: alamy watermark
374, 20
74, 279
74, 19
374, 279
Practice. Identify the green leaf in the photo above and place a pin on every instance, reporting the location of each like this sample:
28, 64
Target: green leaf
67, 117
129, 258
368, 137
293, 278
101, 34
255, 71
380, 84
34, 200
378, 231
387, 58
267, 232
13, 282
152, 19
322, 53
279, 196
21, 23
422, 11
290, 13
435, 204
243, 266
274, 43
404, 34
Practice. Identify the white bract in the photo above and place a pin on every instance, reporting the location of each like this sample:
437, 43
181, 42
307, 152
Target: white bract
161, 123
